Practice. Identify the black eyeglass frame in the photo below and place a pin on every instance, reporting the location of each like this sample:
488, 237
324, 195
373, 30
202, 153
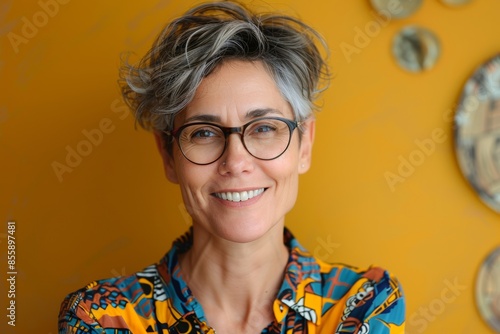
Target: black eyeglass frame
227, 131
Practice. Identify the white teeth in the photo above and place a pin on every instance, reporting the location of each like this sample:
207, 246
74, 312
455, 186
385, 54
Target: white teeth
244, 196
239, 196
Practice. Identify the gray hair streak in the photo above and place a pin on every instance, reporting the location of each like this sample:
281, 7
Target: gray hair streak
192, 46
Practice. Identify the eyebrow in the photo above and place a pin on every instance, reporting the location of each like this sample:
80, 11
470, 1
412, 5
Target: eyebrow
254, 113
262, 112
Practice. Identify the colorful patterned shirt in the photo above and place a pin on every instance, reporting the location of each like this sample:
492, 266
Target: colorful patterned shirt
315, 297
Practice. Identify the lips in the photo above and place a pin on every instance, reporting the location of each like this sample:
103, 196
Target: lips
239, 196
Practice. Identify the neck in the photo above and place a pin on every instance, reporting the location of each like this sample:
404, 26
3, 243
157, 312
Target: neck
235, 277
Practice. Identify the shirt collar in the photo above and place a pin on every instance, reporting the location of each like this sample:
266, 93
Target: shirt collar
302, 273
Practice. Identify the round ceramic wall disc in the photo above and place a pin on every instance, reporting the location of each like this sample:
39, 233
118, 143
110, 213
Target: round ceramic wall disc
488, 290
477, 132
396, 8
416, 49
455, 2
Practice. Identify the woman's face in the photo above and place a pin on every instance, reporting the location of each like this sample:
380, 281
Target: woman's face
234, 94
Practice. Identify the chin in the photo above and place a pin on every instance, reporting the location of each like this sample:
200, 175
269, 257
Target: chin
245, 232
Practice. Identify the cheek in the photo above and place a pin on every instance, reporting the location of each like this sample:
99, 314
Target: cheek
192, 179
289, 161
185, 170
193, 200
287, 190
284, 171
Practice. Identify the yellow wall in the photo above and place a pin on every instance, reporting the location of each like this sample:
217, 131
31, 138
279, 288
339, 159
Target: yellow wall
115, 213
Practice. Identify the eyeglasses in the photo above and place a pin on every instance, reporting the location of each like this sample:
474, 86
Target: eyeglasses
264, 138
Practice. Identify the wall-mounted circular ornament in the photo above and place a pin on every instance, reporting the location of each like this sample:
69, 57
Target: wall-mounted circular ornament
455, 2
416, 49
396, 8
488, 290
477, 132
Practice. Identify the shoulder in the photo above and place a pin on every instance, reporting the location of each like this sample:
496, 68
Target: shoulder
110, 302
371, 298
338, 298
345, 278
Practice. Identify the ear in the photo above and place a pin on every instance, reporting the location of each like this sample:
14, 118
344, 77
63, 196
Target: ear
168, 160
306, 144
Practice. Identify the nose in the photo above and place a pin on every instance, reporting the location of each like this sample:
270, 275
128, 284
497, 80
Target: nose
236, 159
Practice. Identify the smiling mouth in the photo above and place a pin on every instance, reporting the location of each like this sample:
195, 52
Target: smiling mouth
239, 196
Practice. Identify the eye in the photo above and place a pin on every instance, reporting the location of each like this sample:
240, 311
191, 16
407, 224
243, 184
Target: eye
264, 128
203, 133
260, 128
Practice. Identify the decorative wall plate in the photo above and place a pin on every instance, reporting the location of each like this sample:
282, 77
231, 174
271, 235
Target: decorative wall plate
477, 132
488, 290
455, 2
416, 49
396, 9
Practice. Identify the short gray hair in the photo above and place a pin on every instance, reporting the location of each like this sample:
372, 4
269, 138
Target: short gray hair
193, 45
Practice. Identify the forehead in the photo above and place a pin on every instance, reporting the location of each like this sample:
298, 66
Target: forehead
234, 91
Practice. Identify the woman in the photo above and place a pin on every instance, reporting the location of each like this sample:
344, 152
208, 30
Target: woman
229, 96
